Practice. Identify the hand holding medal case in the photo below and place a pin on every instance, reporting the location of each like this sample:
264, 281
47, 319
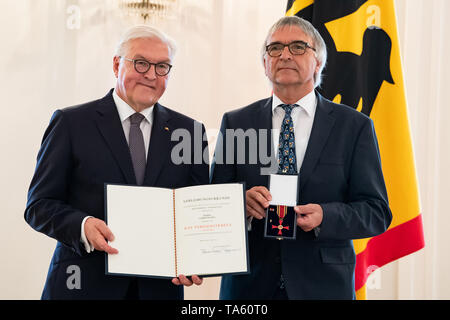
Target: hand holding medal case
281, 219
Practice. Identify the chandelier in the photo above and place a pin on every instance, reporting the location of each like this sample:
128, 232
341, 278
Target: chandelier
149, 10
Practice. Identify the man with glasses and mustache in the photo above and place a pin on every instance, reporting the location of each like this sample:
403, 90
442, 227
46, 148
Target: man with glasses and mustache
122, 138
332, 149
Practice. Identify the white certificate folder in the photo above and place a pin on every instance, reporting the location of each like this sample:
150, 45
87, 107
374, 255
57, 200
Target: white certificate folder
163, 233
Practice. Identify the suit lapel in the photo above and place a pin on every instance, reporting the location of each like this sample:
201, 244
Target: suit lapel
110, 127
323, 123
159, 147
263, 121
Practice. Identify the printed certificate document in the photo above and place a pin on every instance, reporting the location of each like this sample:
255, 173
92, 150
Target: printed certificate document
167, 232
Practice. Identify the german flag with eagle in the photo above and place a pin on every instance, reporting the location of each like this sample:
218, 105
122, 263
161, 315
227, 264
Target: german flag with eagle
364, 71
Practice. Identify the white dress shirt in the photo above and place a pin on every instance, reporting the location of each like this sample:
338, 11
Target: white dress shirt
303, 118
125, 111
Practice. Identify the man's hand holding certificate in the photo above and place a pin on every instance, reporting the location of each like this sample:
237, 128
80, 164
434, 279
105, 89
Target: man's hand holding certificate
174, 233
99, 235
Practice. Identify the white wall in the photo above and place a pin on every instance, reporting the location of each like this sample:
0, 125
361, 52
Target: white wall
46, 65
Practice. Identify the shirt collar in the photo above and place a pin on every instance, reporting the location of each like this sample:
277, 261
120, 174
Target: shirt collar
308, 103
125, 111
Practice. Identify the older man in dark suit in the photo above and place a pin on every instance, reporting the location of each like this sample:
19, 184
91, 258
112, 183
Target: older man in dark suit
331, 147
122, 138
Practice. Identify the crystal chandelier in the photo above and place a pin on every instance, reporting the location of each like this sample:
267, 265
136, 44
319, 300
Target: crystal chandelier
149, 10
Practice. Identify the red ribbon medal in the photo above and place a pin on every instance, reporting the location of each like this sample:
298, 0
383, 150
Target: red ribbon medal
281, 213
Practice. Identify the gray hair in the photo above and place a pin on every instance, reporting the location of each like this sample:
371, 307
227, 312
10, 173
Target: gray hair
310, 31
143, 31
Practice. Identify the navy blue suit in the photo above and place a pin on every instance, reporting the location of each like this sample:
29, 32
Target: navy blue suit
342, 172
83, 148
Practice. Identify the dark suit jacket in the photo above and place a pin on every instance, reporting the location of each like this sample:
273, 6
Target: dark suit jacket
83, 148
341, 171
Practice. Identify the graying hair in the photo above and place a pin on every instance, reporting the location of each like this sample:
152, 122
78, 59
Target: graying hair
310, 31
143, 31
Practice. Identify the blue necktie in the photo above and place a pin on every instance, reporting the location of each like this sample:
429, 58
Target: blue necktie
287, 161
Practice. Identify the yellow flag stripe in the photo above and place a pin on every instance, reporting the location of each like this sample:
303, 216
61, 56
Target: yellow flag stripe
298, 6
361, 293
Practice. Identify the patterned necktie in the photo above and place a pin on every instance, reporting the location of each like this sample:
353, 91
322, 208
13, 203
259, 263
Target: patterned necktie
287, 161
137, 147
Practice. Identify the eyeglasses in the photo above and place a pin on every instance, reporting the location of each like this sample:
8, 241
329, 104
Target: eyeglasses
296, 48
142, 66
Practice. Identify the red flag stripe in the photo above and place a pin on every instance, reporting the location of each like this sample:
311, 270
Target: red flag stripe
407, 237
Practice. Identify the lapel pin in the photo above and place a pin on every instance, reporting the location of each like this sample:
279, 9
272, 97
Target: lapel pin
166, 128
